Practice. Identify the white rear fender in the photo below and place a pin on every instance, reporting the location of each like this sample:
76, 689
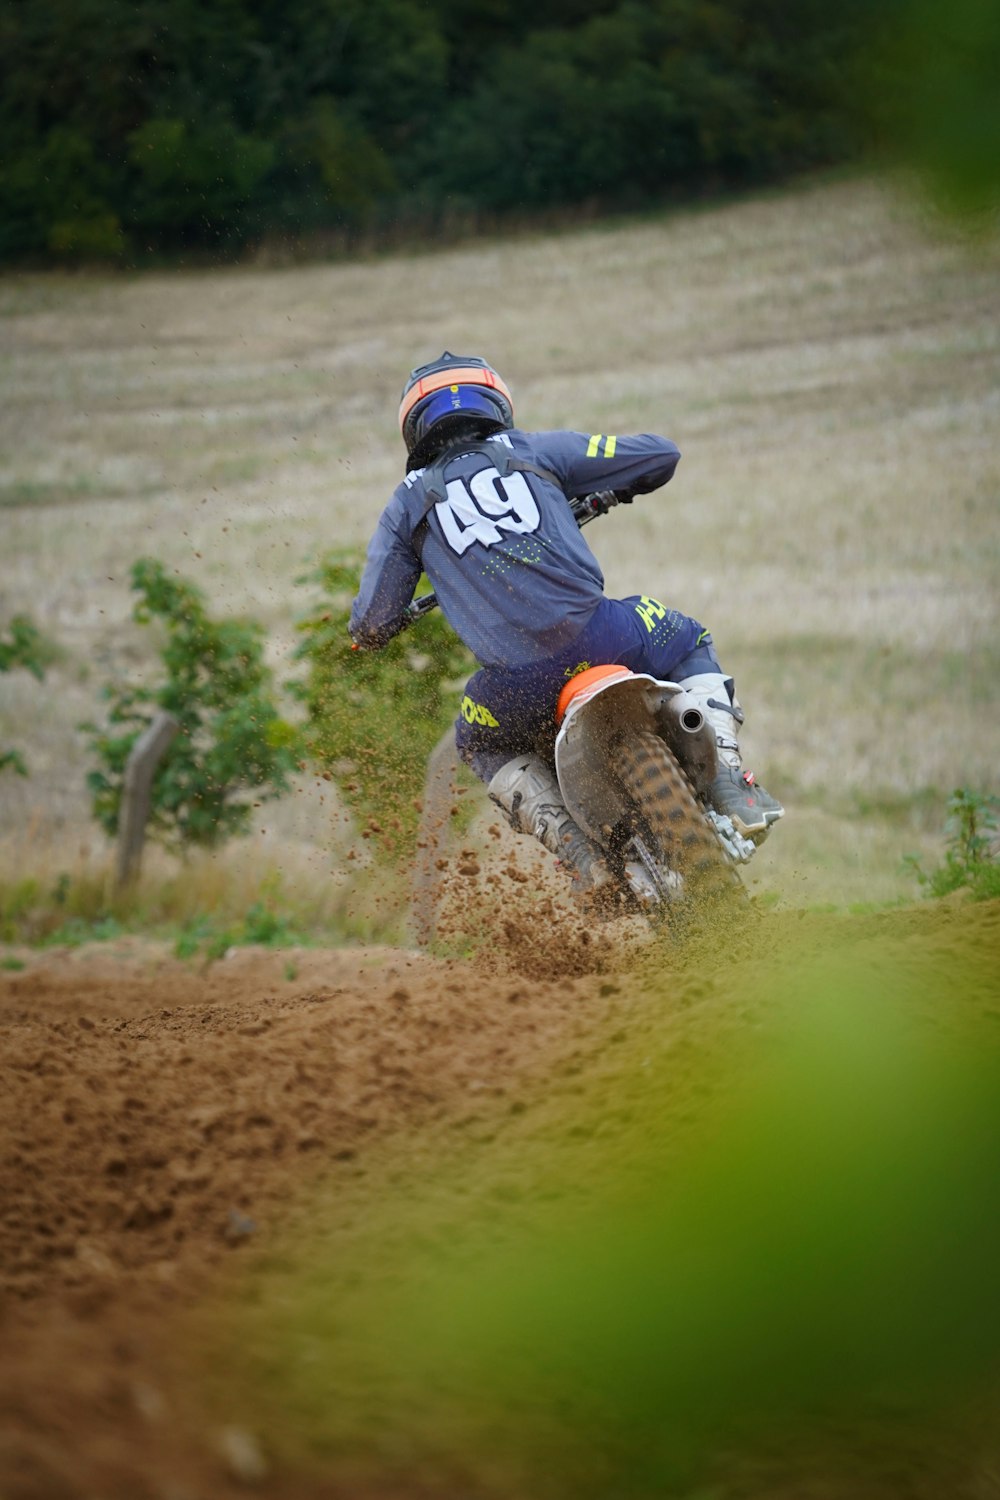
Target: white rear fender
597, 716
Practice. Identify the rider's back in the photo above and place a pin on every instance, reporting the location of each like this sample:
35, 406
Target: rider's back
495, 534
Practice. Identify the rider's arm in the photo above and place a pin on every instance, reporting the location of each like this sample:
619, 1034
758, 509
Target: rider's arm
392, 570
604, 461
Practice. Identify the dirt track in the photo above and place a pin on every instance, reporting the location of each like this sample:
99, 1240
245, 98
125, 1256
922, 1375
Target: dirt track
157, 1118
154, 1118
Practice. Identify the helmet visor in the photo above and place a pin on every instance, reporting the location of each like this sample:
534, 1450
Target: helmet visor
455, 401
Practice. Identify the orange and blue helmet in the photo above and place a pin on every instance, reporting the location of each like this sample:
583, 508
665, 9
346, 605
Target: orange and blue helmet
451, 396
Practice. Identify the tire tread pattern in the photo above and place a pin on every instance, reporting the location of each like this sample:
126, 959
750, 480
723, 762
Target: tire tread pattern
662, 794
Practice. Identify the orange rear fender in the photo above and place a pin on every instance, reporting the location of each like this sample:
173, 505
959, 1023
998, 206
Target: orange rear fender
586, 684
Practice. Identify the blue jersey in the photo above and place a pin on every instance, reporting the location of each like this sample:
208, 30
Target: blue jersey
502, 549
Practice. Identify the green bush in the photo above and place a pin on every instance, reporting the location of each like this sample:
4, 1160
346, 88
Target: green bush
210, 938
234, 749
17, 901
26, 647
374, 717
970, 859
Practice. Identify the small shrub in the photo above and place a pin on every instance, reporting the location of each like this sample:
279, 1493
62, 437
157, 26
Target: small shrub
16, 903
262, 925
970, 859
266, 926
233, 745
218, 945
23, 646
79, 930
188, 942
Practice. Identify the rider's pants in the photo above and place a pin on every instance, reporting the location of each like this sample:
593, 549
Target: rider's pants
507, 711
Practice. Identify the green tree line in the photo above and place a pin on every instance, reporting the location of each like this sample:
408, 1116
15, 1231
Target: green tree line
133, 127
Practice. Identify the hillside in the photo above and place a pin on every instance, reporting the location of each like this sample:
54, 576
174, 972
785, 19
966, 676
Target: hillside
827, 363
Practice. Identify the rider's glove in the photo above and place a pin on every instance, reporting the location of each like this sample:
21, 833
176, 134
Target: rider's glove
381, 635
599, 502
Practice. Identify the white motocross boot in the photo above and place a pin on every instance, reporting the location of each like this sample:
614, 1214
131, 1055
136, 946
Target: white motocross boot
527, 792
734, 792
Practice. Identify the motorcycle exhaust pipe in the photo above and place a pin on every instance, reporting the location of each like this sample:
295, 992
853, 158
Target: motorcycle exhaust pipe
685, 713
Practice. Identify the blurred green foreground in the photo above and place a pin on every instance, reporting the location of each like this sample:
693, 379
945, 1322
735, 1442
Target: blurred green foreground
747, 1245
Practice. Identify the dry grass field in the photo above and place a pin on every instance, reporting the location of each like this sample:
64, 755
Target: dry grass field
828, 362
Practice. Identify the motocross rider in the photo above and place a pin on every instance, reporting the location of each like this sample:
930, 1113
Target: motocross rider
483, 511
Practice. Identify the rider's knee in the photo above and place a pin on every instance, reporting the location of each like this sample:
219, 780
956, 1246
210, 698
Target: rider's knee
701, 658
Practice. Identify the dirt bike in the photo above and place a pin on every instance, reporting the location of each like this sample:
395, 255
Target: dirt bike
635, 758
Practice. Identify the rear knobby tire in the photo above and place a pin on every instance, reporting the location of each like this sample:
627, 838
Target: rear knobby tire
665, 803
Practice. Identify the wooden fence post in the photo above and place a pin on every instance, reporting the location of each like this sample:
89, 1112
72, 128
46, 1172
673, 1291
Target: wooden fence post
435, 820
137, 792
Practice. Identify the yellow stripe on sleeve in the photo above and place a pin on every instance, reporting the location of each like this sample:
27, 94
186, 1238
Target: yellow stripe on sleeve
610, 444
594, 444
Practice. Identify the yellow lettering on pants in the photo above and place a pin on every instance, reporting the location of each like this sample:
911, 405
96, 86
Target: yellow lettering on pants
650, 612
477, 713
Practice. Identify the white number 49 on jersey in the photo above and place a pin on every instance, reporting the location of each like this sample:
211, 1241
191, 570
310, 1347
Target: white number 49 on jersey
483, 507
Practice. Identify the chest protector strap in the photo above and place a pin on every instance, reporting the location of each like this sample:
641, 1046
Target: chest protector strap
436, 487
